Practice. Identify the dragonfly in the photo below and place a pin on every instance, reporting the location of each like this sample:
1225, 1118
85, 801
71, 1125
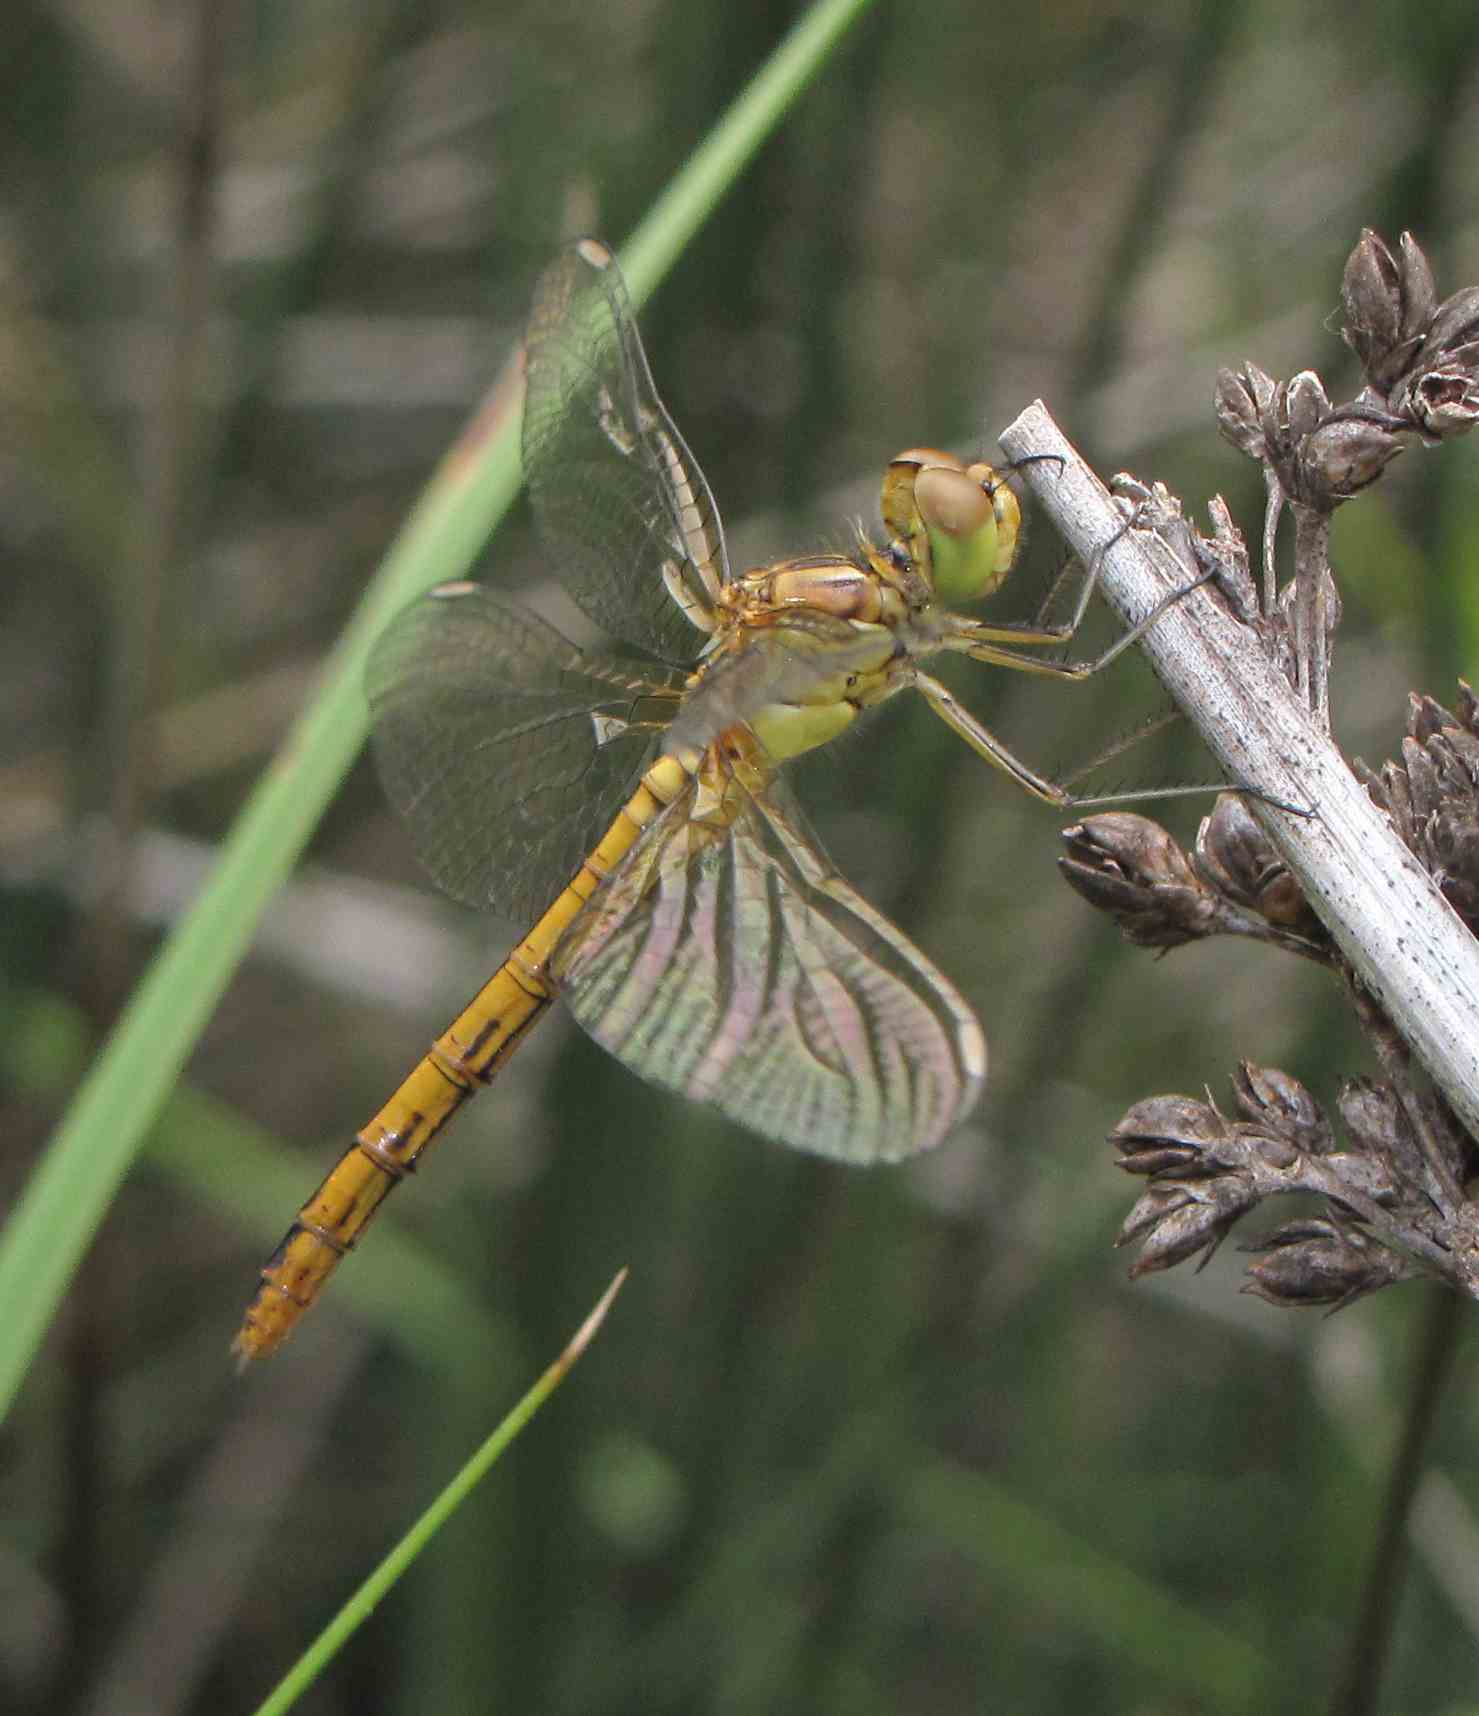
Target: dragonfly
632, 807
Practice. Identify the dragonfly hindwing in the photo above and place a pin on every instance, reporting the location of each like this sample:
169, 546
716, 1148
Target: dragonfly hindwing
736, 967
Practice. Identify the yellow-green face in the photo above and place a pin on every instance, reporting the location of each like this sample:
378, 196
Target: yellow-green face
961, 523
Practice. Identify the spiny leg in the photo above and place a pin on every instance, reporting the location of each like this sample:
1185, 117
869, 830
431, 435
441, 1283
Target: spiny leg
988, 643
992, 644
1061, 577
1170, 716
986, 744
1064, 630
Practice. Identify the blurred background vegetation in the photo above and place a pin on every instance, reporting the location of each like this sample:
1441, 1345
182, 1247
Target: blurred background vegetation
868, 1442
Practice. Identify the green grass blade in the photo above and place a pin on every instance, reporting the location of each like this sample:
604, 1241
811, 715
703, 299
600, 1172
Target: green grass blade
361, 1605
69, 1193
724, 154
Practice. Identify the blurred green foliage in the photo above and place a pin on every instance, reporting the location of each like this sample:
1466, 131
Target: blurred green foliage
853, 1442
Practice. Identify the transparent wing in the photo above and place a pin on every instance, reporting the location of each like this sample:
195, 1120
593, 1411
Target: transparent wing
625, 510
738, 968
505, 748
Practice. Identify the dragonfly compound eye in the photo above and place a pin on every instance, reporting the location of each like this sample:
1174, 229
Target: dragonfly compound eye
971, 521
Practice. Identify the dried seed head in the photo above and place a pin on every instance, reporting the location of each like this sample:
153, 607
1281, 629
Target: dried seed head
1244, 402
1389, 302
1172, 1136
1321, 1263
1130, 867
1444, 402
1432, 797
1179, 1138
1280, 1107
1205, 1171
1429, 385
1344, 455
1427, 716
1421, 360
1453, 839
1175, 1222
1320, 455
1236, 857
1455, 327
1133, 869
1373, 1117
1383, 1148
1302, 404
1173, 1234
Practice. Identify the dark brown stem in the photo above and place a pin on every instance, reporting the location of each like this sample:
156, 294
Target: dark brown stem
169, 439
1359, 1680
151, 550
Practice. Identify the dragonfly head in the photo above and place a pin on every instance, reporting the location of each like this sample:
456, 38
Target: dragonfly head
959, 524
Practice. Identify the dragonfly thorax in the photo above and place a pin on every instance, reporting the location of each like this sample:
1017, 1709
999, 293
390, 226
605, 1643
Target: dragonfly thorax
830, 584
795, 672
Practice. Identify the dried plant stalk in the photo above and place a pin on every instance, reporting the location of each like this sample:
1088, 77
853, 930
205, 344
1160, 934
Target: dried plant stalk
1383, 910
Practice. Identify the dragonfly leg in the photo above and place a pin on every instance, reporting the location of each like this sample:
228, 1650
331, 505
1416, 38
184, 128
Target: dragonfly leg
985, 744
1050, 600
1065, 629
1000, 645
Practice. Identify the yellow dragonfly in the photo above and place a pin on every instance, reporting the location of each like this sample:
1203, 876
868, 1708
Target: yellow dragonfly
696, 930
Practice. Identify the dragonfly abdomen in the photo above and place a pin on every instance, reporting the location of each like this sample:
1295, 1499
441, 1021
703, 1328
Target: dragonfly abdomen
467, 1055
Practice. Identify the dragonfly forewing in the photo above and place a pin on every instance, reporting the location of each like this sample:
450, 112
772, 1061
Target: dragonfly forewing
505, 748
619, 499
